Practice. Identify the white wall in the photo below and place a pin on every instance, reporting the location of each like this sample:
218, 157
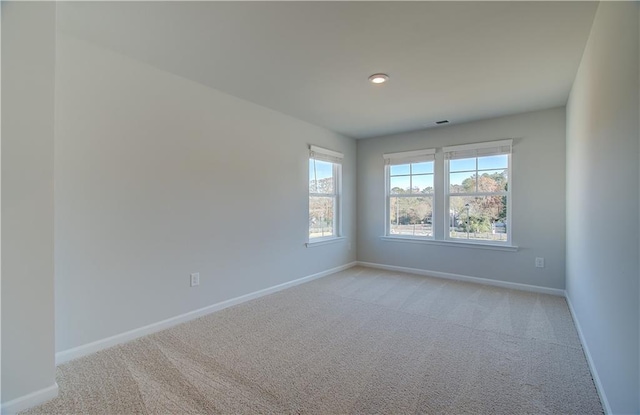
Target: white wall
538, 186
158, 177
28, 58
602, 201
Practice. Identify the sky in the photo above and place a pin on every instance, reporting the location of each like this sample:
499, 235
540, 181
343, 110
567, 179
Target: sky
459, 170
323, 169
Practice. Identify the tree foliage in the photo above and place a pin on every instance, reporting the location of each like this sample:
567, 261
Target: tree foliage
321, 208
479, 214
414, 208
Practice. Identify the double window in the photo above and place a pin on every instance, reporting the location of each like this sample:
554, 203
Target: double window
325, 182
471, 204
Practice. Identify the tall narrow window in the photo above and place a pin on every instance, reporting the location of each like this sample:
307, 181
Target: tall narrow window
325, 182
410, 190
478, 191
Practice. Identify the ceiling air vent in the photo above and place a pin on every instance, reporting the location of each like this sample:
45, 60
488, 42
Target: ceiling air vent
442, 122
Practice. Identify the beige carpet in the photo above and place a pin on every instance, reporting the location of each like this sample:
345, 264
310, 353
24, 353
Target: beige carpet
360, 341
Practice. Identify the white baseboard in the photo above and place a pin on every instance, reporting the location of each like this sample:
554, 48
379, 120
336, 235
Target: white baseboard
467, 278
594, 372
29, 401
86, 349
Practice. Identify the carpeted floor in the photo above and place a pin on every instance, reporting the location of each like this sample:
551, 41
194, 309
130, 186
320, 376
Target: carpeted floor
360, 341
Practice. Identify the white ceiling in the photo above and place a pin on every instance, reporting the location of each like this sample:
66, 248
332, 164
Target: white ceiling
459, 61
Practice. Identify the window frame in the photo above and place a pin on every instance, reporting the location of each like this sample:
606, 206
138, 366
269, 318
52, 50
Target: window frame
441, 195
447, 190
408, 157
335, 158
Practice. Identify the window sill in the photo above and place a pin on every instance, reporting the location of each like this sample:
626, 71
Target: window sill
324, 241
461, 244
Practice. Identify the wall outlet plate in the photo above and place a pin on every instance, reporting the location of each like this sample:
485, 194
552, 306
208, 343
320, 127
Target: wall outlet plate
195, 279
539, 262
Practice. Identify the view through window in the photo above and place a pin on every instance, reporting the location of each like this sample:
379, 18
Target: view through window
477, 195
477, 191
411, 199
324, 192
468, 187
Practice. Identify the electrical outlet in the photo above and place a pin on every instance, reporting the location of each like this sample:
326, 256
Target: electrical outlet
539, 262
195, 279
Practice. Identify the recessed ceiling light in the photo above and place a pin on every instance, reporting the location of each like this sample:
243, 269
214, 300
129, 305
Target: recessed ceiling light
378, 78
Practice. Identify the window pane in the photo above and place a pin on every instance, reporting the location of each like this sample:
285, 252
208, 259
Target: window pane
321, 211
462, 182
411, 216
462, 164
320, 176
422, 183
312, 182
478, 218
400, 184
493, 162
421, 168
399, 169
492, 181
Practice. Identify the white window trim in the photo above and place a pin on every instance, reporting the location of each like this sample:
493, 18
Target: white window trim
406, 157
324, 154
324, 241
446, 192
455, 243
414, 156
477, 146
334, 157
